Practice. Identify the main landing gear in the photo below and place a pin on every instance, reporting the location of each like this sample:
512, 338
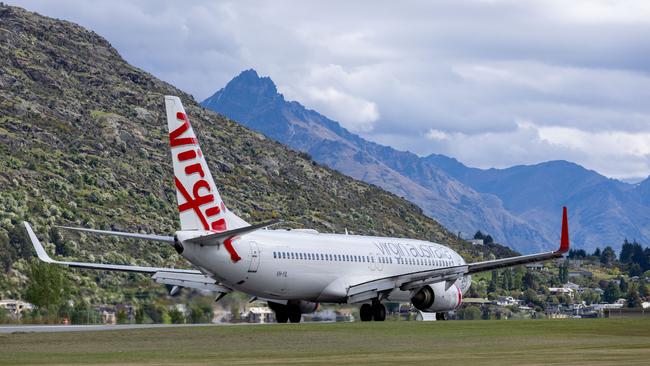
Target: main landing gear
442, 316
376, 312
286, 313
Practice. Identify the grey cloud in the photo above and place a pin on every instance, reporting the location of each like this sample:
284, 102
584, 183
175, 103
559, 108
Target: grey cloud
471, 69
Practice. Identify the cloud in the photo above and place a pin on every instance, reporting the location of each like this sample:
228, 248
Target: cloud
490, 82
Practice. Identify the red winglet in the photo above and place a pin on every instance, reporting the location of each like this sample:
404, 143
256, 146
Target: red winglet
564, 242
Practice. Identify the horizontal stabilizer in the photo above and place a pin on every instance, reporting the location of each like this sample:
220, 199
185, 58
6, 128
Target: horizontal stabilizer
219, 238
43, 256
151, 237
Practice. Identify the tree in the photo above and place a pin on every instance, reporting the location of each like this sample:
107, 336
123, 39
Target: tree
564, 272
577, 254
597, 253
199, 313
122, 317
590, 296
154, 312
643, 288
633, 298
622, 284
176, 316
48, 286
608, 256
469, 313
530, 281
492, 287
507, 282
479, 235
626, 252
612, 292
634, 270
488, 239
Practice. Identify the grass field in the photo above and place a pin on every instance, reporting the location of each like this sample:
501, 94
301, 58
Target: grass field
530, 342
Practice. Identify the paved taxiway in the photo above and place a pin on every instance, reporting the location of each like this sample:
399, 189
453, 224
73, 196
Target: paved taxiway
85, 328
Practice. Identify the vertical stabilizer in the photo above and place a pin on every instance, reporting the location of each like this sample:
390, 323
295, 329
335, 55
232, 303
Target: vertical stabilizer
199, 203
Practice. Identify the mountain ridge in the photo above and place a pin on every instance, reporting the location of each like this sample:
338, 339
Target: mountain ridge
516, 210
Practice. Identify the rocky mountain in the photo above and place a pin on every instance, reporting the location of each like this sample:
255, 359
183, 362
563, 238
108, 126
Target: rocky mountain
84, 142
604, 211
519, 206
255, 102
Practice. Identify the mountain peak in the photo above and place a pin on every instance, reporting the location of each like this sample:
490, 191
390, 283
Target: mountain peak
248, 88
249, 80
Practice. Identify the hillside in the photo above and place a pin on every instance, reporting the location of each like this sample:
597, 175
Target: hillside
518, 206
83, 141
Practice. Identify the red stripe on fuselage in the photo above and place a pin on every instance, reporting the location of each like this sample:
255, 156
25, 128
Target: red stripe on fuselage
233, 254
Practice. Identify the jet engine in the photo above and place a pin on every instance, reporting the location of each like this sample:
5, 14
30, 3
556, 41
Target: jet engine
307, 307
434, 298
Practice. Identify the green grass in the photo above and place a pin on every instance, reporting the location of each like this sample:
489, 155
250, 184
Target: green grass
533, 342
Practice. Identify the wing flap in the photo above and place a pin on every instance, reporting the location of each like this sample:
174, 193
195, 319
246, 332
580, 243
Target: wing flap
191, 280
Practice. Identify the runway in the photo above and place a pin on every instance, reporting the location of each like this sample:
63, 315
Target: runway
99, 327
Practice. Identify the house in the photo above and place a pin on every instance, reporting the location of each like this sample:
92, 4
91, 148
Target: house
581, 273
259, 314
108, 317
572, 286
605, 306
15, 307
561, 291
535, 266
506, 301
476, 241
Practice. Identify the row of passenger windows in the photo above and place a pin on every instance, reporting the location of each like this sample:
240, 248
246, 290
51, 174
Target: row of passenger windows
328, 257
361, 259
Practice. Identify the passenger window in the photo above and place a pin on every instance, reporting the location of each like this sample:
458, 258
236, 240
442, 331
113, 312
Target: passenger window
274, 256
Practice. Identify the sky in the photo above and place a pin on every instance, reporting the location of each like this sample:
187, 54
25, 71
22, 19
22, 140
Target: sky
491, 83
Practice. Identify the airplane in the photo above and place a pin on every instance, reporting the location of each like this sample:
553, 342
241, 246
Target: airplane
294, 270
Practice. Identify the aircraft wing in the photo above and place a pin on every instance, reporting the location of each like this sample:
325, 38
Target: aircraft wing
410, 281
169, 276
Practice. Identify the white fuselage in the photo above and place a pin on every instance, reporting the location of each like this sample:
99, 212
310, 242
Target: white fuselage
306, 265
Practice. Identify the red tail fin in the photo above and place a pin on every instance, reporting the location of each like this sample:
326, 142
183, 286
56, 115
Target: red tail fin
564, 241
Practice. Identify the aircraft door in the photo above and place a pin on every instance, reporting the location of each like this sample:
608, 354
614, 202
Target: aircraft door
255, 257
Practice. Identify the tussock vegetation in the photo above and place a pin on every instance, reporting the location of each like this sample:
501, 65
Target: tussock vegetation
83, 141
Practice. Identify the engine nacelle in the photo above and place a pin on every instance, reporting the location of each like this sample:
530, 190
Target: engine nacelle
307, 307
434, 298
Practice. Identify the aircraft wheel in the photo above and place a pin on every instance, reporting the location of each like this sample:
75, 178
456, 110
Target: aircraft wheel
294, 313
442, 316
365, 313
378, 312
281, 314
